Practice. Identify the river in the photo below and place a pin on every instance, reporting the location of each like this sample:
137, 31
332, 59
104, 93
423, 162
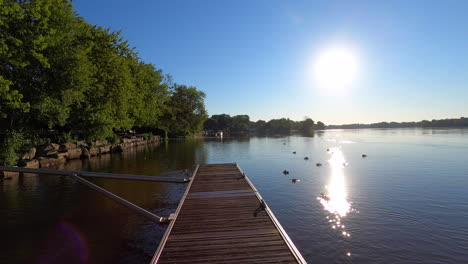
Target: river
406, 202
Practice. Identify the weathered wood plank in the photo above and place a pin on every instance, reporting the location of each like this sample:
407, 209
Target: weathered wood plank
223, 219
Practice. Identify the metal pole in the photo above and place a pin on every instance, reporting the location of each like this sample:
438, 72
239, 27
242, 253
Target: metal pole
122, 201
96, 174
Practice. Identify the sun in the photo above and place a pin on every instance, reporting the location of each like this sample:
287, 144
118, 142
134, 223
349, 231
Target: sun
335, 70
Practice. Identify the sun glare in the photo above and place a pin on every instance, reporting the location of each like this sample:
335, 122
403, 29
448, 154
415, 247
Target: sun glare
335, 70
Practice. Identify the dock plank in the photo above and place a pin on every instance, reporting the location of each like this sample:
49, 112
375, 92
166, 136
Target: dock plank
222, 219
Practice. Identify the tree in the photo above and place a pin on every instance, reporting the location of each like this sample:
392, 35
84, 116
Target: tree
240, 124
308, 125
320, 125
185, 111
59, 72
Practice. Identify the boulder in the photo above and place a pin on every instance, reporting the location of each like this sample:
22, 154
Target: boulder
47, 150
104, 149
54, 146
30, 155
48, 162
127, 145
29, 163
74, 153
62, 155
118, 148
8, 174
85, 154
67, 146
93, 151
50, 153
100, 143
81, 144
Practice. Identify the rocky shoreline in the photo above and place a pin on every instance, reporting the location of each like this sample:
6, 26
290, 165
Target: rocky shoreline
51, 155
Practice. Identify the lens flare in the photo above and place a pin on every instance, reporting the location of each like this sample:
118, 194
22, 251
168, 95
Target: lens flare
64, 242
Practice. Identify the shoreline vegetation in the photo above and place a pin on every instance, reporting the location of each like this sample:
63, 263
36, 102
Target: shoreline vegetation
241, 125
434, 123
63, 79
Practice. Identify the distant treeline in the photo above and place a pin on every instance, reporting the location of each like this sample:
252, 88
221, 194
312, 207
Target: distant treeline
60, 73
241, 124
454, 122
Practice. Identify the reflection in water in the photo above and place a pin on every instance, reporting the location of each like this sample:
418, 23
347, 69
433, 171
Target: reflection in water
335, 200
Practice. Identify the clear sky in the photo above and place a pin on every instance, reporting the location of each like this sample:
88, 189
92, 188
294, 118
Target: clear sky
258, 57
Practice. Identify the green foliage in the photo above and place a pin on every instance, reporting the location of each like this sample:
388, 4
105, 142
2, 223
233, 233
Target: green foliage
147, 136
320, 125
114, 139
13, 145
307, 125
64, 137
450, 122
185, 111
10, 100
241, 124
59, 72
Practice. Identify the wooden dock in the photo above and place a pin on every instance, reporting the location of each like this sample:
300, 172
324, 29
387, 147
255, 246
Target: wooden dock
223, 219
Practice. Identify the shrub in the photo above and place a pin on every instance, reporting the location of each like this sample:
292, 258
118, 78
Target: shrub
13, 145
114, 139
147, 136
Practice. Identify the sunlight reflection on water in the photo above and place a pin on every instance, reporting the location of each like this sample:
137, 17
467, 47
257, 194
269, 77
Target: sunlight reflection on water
334, 201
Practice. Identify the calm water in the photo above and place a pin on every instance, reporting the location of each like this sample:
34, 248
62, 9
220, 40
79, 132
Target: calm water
407, 202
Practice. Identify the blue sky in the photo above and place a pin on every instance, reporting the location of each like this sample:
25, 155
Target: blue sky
254, 57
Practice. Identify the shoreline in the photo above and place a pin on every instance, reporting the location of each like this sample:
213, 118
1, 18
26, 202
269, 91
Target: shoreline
53, 155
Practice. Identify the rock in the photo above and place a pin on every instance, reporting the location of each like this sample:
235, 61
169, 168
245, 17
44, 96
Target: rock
29, 163
8, 174
81, 144
67, 146
93, 151
57, 155
155, 139
63, 155
118, 148
85, 154
30, 155
126, 140
74, 153
104, 149
50, 153
47, 150
54, 146
47, 162
101, 143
